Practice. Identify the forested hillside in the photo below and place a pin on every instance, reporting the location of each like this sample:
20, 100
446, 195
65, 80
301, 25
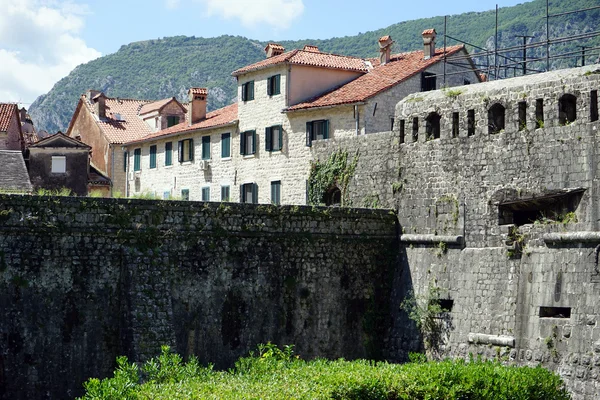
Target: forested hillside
167, 67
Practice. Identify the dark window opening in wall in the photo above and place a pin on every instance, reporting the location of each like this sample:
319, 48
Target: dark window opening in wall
402, 134
466, 81
445, 304
391, 123
432, 126
555, 312
522, 115
333, 197
567, 109
557, 207
539, 113
172, 120
415, 129
455, 124
496, 115
428, 81
249, 193
185, 194
471, 122
593, 105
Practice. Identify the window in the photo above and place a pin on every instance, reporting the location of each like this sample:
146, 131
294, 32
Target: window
402, 123
125, 155
185, 194
153, 156
248, 91
166, 195
466, 81
249, 193
316, 130
186, 150
137, 160
169, 153
470, 122
432, 126
415, 129
496, 118
522, 115
567, 109
226, 145
539, 113
274, 85
276, 192
428, 81
455, 124
593, 105
225, 193
391, 123
206, 193
555, 312
273, 138
248, 143
206, 147
59, 164
172, 120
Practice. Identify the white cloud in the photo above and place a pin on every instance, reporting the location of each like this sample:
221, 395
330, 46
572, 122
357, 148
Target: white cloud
277, 13
39, 44
172, 4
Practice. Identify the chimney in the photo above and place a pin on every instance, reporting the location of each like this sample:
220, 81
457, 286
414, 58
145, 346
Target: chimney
23, 114
197, 104
99, 103
311, 48
385, 49
429, 43
274, 49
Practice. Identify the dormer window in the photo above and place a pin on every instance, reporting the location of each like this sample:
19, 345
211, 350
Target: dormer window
172, 120
248, 91
274, 85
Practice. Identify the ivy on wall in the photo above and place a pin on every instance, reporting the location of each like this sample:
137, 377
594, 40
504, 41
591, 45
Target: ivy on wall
335, 172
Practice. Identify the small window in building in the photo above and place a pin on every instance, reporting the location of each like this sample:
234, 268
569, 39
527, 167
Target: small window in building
555, 312
402, 132
225, 193
125, 155
391, 123
172, 120
137, 159
317, 130
466, 81
206, 147
471, 122
567, 109
276, 192
445, 304
169, 153
539, 113
186, 150
333, 197
547, 208
206, 193
455, 124
428, 81
153, 156
249, 193
248, 143
248, 91
415, 129
273, 138
522, 115
274, 85
185, 194
496, 115
432, 126
166, 195
225, 145
59, 164
594, 105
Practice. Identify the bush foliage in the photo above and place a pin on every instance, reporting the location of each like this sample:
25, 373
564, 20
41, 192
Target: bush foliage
274, 373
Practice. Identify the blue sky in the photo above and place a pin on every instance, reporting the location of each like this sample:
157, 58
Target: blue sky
41, 41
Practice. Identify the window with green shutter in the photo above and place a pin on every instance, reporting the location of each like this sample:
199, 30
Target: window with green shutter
249, 193
172, 120
226, 145
185, 194
206, 193
137, 159
273, 138
169, 153
225, 193
276, 192
206, 147
153, 156
274, 85
317, 130
248, 91
248, 143
186, 150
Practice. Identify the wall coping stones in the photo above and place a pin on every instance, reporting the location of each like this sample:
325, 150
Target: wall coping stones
497, 340
557, 237
430, 238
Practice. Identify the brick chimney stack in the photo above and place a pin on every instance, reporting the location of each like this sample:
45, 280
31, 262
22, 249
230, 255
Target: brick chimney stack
98, 101
274, 49
197, 104
429, 43
385, 49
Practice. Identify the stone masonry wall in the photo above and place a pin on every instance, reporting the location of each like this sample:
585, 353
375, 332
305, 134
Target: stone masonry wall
83, 280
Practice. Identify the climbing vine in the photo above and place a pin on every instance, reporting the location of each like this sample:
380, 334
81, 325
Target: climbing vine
336, 171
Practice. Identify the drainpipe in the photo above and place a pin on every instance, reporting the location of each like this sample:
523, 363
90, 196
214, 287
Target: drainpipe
112, 170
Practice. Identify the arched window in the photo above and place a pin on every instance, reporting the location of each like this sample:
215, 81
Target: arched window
333, 197
567, 109
432, 126
496, 115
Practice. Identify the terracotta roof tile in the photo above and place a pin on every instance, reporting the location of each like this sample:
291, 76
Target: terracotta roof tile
223, 116
384, 38
311, 48
156, 106
7, 111
201, 91
382, 77
309, 58
428, 32
275, 46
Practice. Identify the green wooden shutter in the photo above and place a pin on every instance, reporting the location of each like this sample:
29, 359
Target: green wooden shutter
309, 133
254, 142
270, 86
168, 153
268, 139
254, 193
226, 145
277, 84
206, 147
125, 155
242, 197
180, 151
244, 91
191, 149
251, 90
326, 129
153, 156
242, 142
280, 138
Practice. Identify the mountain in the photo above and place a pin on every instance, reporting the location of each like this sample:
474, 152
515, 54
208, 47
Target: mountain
155, 69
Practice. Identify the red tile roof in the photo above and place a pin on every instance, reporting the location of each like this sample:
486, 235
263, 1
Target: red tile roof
157, 105
7, 112
309, 58
275, 46
384, 38
311, 48
201, 91
221, 117
428, 32
382, 77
